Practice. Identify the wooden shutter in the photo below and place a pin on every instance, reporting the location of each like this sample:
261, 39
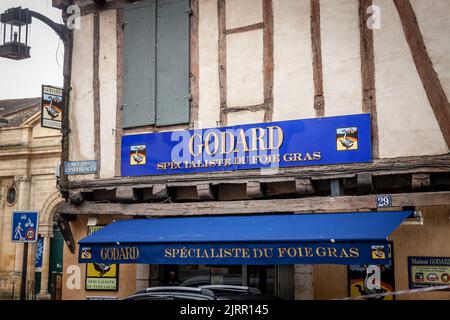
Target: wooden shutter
139, 64
172, 69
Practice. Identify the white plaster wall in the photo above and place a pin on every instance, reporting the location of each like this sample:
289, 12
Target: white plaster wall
434, 21
245, 80
209, 98
293, 91
245, 117
241, 13
341, 57
108, 91
407, 125
82, 101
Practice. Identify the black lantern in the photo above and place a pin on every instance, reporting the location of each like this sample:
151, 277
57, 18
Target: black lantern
15, 22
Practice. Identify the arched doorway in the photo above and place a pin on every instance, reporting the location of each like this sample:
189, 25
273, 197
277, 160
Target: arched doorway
48, 277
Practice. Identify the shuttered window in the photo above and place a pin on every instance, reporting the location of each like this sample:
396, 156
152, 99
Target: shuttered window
156, 63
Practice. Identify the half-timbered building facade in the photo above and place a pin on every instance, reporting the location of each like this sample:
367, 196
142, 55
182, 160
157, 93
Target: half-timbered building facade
163, 66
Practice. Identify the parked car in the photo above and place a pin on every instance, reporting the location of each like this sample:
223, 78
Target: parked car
173, 293
230, 292
207, 292
206, 280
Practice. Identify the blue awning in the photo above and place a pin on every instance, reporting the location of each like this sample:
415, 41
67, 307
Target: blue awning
333, 238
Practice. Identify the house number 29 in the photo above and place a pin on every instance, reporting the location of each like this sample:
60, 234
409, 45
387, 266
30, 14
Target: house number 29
384, 201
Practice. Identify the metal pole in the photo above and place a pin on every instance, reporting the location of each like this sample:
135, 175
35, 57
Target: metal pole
23, 285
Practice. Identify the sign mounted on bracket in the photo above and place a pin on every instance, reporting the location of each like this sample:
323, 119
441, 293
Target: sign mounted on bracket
52, 107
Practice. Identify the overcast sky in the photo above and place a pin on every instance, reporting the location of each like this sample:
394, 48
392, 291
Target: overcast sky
23, 78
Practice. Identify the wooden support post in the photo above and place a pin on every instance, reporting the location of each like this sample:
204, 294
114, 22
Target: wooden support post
75, 197
232, 191
254, 190
304, 186
337, 189
420, 181
126, 194
281, 188
319, 101
364, 183
367, 51
204, 192
160, 191
186, 193
66, 231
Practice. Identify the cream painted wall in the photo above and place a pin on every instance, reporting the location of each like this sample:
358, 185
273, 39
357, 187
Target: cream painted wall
245, 117
434, 22
430, 239
209, 100
406, 122
293, 91
81, 113
108, 89
243, 13
127, 272
341, 57
245, 79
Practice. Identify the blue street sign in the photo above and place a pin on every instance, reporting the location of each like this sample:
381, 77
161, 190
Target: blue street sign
25, 226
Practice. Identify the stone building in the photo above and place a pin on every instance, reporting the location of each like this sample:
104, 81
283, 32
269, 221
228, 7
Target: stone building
28, 158
155, 69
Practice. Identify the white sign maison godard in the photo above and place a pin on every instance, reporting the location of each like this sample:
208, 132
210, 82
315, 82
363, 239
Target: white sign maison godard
80, 167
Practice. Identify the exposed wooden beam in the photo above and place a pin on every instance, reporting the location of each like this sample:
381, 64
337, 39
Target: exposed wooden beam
337, 188
96, 91
268, 59
319, 101
254, 108
254, 190
119, 116
430, 80
379, 167
304, 186
420, 181
364, 183
204, 192
194, 63
248, 28
367, 51
126, 194
76, 197
222, 50
160, 191
300, 205
100, 2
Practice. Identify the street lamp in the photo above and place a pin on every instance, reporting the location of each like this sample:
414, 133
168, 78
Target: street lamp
14, 20
17, 48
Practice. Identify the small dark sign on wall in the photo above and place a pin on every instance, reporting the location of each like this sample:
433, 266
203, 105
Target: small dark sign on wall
52, 107
428, 272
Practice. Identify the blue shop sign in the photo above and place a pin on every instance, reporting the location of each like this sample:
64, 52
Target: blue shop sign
331, 238
270, 145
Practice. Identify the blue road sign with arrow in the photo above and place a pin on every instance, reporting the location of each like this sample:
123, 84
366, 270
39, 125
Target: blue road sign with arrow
25, 226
